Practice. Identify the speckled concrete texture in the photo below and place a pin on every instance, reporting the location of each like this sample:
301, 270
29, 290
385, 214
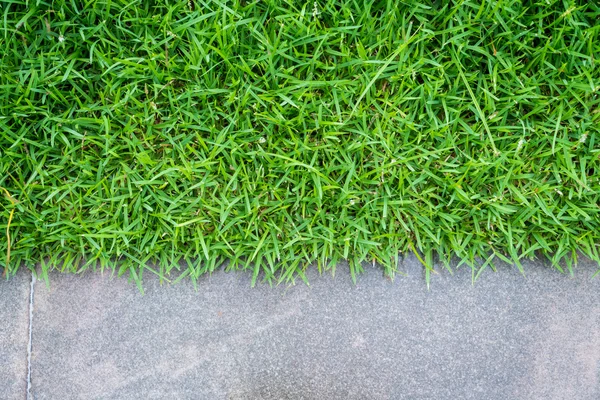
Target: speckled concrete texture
14, 335
506, 337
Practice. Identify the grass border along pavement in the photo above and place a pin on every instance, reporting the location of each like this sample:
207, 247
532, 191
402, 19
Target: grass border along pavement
277, 134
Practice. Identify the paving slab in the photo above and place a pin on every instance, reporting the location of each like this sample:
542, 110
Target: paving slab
14, 335
506, 337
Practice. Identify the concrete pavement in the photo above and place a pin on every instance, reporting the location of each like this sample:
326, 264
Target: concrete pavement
14, 335
506, 337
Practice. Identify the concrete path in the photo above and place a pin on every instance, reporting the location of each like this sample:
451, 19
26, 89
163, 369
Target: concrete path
14, 336
507, 337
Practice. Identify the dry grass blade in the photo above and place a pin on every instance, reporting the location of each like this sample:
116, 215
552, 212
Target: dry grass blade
10, 218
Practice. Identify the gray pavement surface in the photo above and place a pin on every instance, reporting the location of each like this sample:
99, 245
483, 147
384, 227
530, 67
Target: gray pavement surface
506, 337
14, 335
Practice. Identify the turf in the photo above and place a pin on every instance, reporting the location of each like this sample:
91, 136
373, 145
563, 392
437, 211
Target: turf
169, 137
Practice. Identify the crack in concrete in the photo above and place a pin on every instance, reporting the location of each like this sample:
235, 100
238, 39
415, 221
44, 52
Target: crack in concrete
30, 335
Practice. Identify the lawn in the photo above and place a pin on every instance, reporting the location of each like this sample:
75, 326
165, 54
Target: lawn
168, 137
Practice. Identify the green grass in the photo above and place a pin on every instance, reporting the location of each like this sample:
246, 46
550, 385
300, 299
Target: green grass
170, 136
